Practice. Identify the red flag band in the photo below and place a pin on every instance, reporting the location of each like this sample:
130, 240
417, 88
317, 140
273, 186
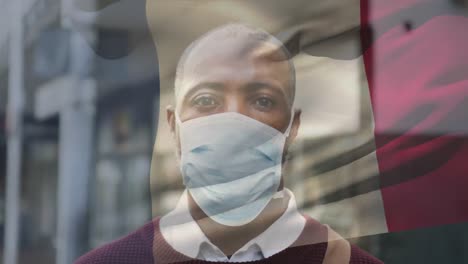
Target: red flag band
417, 70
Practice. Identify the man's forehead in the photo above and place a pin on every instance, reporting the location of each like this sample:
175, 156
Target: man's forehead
215, 54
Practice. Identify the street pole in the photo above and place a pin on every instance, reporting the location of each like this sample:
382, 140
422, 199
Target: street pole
14, 133
76, 121
75, 150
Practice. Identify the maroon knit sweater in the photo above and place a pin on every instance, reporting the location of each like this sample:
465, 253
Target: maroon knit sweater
137, 248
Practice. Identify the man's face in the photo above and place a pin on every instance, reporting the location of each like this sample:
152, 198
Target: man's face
217, 80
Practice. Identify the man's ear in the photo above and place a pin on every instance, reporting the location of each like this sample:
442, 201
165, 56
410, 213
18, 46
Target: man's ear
292, 133
295, 125
170, 116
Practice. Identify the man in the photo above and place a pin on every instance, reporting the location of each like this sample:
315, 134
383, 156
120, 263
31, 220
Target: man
233, 122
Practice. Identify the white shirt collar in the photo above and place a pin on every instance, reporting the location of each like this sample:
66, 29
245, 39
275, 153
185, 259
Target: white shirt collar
184, 235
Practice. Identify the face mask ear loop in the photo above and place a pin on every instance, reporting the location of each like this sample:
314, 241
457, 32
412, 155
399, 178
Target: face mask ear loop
288, 130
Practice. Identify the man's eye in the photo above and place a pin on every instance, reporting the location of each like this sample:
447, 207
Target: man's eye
205, 101
264, 103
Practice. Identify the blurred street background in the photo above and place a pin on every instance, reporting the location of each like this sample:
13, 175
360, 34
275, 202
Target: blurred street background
80, 108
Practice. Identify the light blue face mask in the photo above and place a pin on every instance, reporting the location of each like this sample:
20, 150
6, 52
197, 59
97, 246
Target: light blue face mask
231, 165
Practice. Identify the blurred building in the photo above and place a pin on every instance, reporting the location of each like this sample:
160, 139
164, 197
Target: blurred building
93, 105
91, 66
90, 88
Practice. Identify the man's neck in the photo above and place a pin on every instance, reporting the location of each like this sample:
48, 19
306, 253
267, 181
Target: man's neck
229, 239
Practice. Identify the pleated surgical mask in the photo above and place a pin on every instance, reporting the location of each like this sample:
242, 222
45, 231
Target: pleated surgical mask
231, 164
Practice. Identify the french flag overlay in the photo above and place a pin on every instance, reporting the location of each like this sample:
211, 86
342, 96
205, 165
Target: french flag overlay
416, 64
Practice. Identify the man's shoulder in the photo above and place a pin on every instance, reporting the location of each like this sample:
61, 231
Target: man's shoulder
339, 250
359, 256
133, 248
